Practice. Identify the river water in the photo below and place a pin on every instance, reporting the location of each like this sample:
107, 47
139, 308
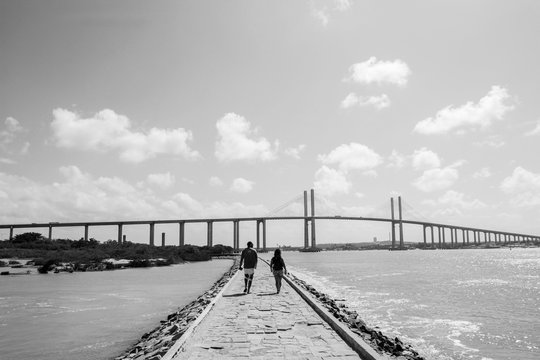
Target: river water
93, 315
449, 304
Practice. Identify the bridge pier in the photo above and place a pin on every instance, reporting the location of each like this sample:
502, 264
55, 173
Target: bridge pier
162, 239
10, 233
50, 232
393, 223
209, 235
463, 236
236, 234
306, 221
152, 234
119, 238
181, 233
432, 240
401, 239
424, 228
264, 234
313, 241
85, 232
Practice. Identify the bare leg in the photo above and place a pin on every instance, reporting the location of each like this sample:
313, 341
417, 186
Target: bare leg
246, 280
249, 282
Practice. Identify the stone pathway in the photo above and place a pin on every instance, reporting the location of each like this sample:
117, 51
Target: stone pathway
263, 325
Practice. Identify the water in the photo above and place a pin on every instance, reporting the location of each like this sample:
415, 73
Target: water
93, 315
453, 304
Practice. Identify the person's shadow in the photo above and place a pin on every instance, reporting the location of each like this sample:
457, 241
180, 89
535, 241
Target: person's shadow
266, 294
235, 295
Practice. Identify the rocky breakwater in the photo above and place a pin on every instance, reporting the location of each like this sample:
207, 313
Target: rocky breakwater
394, 348
154, 344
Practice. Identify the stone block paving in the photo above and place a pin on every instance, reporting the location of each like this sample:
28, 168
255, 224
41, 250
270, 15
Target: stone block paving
263, 325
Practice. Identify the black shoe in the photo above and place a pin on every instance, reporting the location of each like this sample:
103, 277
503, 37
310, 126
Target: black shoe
245, 291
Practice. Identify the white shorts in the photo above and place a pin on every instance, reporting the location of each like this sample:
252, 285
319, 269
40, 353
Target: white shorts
249, 271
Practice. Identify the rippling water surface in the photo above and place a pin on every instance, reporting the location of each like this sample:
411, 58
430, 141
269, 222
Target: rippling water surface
451, 304
93, 315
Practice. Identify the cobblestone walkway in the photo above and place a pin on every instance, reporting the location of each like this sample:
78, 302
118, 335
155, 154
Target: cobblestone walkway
263, 325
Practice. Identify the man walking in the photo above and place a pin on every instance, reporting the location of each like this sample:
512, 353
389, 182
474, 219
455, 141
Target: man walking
249, 259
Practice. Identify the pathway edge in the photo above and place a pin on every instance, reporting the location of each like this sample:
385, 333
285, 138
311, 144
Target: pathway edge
180, 342
354, 341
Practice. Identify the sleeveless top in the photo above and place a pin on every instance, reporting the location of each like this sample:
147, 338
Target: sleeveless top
277, 263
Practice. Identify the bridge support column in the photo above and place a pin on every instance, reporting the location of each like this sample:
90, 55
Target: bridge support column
209, 239
162, 239
123, 239
468, 237
50, 232
393, 224
432, 240
236, 230
440, 238
10, 233
306, 221
85, 232
258, 235
181, 233
463, 236
424, 228
119, 234
401, 240
264, 235
313, 239
444, 237
451, 237
152, 234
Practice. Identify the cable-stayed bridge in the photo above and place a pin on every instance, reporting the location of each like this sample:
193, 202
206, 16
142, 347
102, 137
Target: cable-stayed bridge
435, 235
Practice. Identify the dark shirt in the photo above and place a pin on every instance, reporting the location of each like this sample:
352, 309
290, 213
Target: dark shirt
249, 258
277, 263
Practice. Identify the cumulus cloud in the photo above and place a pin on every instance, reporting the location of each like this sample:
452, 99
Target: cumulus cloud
378, 102
425, 159
79, 196
376, 71
490, 108
437, 179
456, 199
534, 131
322, 11
164, 180
524, 186
329, 182
396, 160
352, 156
236, 142
241, 185
215, 181
108, 131
295, 152
494, 141
483, 173
8, 133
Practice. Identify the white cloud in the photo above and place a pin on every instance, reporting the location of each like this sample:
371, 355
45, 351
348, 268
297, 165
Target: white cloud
423, 159
108, 131
241, 185
436, 179
164, 180
455, 200
79, 196
371, 71
379, 102
235, 144
494, 141
491, 107
353, 156
9, 133
7, 161
329, 182
483, 173
524, 186
215, 181
534, 131
343, 5
295, 151
322, 16
396, 160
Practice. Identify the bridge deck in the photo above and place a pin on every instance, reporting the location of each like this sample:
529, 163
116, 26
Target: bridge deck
263, 325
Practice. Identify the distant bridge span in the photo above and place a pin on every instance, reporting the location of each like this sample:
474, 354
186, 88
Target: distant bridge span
478, 234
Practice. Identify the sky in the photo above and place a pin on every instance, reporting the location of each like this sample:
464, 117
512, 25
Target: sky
142, 110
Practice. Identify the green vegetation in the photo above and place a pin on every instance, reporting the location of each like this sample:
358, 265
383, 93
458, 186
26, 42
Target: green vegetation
46, 252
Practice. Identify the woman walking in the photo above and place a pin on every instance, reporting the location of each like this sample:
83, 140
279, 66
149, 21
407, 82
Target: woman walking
277, 267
